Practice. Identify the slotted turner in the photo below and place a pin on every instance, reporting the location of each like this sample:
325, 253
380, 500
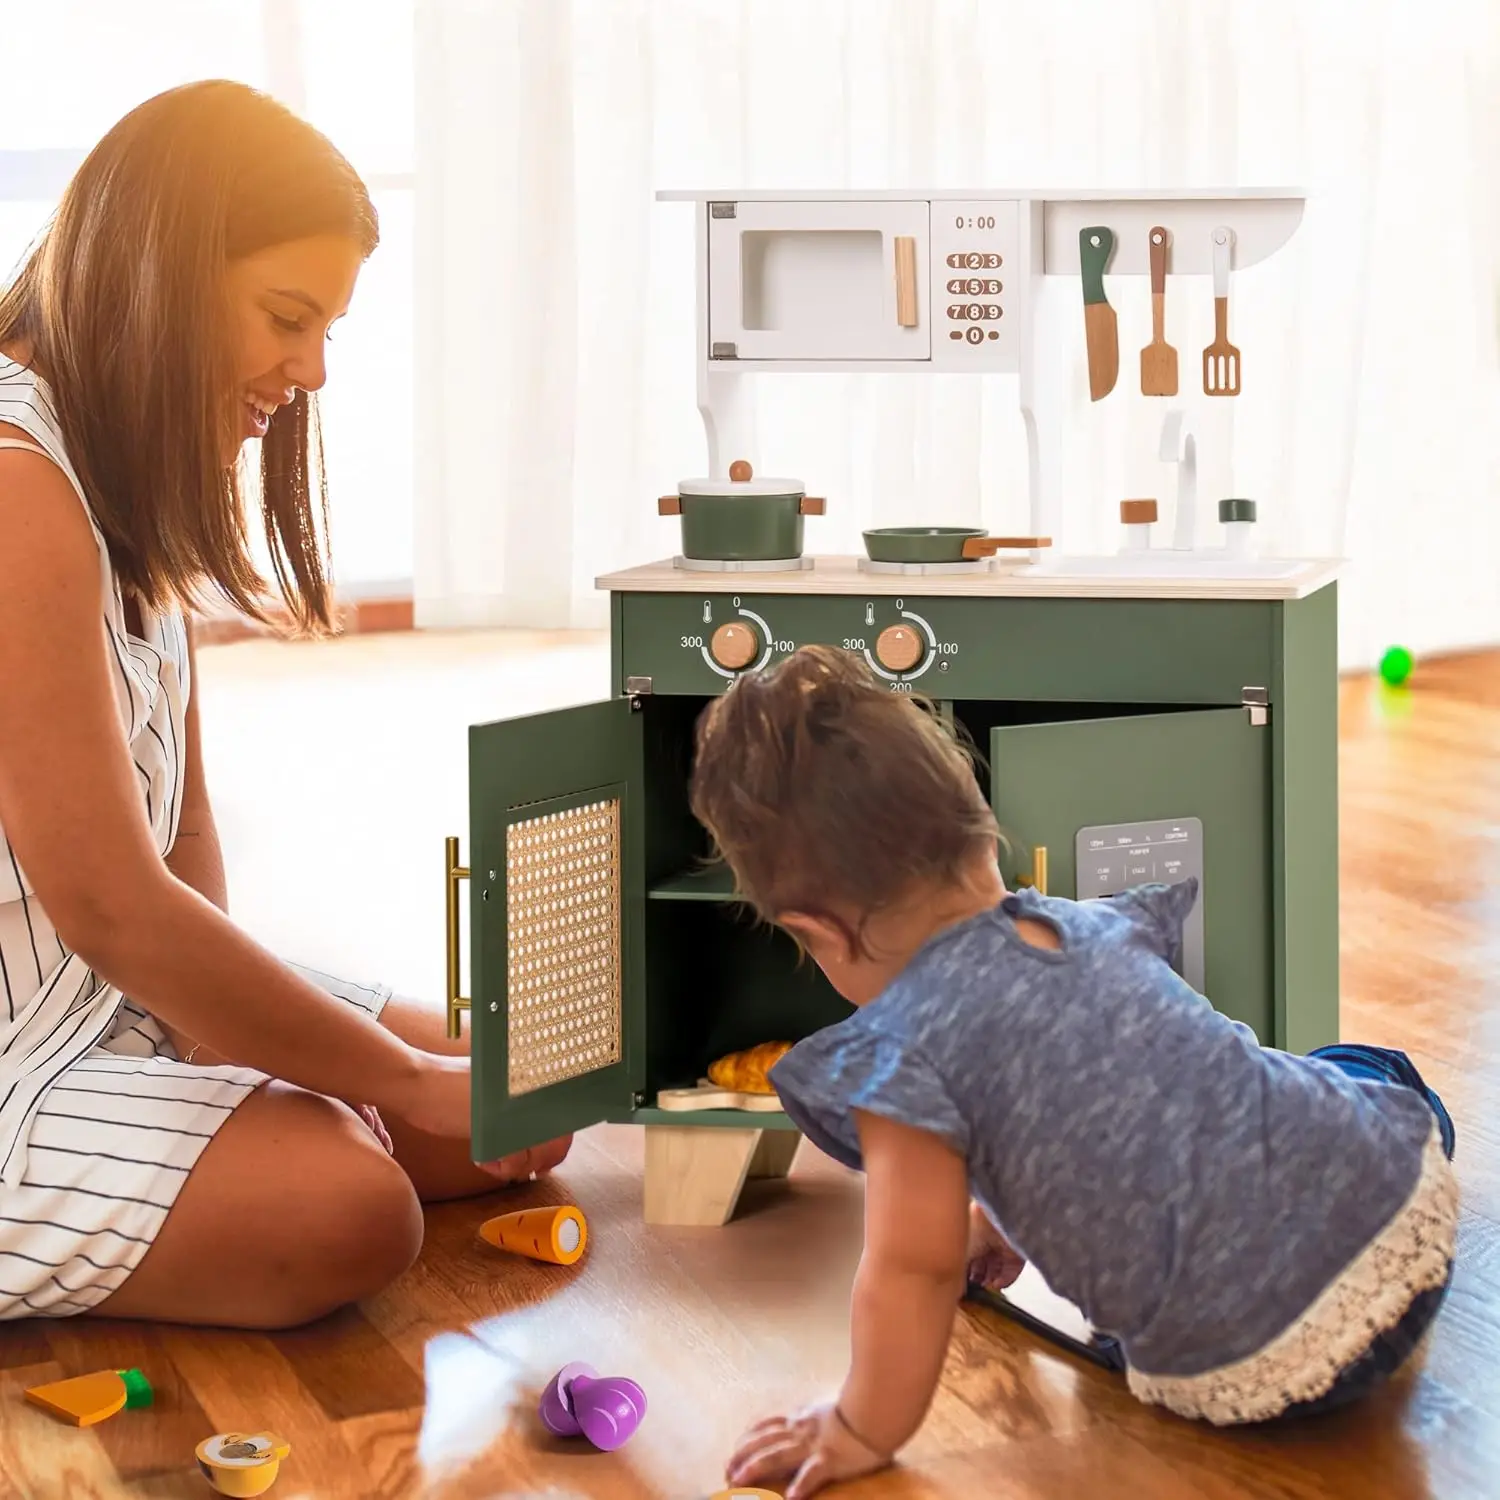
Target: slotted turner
1221, 360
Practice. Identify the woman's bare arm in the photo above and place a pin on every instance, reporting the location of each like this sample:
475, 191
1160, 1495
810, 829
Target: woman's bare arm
196, 857
70, 804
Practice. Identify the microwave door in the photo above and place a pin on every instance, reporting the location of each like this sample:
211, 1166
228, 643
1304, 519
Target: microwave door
819, 281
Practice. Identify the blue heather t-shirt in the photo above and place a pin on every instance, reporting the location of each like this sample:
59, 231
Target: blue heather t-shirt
1189, 1190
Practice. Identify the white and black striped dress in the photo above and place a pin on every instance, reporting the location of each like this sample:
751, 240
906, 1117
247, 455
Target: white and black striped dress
100, 1121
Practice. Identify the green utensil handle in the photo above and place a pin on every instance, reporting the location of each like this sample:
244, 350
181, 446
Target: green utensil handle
1095, 245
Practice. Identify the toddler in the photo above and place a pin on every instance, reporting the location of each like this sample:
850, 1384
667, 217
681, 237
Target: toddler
1027, 1078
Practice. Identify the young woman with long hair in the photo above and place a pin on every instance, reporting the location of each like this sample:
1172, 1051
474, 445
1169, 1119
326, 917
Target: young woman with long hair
161, 1074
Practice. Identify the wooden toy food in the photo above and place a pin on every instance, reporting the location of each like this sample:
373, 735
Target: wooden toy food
239, 1463
748, 1072
557, 1234
86, 1399
708, 1095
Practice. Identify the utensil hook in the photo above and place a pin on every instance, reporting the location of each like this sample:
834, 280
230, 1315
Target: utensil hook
1180, 446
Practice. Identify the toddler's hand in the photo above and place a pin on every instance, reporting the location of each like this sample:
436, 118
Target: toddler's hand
811, 1449
993, 1263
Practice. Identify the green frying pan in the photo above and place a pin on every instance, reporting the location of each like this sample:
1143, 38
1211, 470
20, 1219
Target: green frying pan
941, 544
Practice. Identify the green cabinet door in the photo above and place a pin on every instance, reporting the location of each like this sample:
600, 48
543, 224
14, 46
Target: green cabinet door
1133, 785
557, 922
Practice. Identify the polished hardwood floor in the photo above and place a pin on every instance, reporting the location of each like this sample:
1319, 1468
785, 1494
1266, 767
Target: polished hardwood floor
430, 1389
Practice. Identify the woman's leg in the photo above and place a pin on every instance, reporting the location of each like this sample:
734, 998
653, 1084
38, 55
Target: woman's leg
440, 1168
293, 1210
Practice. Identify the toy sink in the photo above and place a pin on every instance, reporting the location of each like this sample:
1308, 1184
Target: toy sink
1165, 564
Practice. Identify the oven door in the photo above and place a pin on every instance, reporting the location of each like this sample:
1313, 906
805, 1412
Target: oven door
819, 281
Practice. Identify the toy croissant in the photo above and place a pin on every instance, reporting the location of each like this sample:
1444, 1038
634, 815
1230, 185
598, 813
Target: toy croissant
748, 1072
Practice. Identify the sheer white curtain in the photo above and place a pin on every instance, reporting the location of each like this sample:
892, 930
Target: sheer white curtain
76, 66
555, 388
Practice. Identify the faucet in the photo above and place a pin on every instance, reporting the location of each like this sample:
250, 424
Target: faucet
1179, 446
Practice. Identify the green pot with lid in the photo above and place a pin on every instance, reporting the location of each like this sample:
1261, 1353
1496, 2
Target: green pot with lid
741, 518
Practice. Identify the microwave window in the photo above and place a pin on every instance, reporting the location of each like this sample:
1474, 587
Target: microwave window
811, 279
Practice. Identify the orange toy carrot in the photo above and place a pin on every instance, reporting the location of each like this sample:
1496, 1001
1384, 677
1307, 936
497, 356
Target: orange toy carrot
86, 1399
557, 1234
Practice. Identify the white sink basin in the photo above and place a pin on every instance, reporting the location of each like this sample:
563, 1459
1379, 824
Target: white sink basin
1170, 565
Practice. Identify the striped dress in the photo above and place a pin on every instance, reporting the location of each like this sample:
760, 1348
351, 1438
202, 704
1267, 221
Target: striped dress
100, 1120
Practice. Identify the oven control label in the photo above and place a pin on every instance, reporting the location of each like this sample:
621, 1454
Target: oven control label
1114, 857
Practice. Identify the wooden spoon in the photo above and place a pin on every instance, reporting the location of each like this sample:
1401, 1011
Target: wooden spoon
1158, 358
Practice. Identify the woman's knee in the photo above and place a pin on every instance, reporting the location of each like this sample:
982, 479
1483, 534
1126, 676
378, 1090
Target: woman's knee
358, 1222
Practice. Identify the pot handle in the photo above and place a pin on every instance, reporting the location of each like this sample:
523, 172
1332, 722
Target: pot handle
988, 546
669, 505
812, 505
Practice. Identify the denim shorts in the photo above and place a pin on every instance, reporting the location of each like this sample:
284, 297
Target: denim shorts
1391, 1349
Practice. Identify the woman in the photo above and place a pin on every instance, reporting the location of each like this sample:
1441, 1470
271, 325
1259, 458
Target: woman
176, 307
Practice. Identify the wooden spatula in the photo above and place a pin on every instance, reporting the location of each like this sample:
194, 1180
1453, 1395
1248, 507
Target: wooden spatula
1221, 360
1099, 325
1158, 358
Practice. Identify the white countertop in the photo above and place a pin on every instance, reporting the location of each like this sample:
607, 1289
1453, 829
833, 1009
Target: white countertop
1090, 579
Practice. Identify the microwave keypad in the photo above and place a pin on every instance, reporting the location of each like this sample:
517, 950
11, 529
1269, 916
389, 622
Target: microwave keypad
974, 254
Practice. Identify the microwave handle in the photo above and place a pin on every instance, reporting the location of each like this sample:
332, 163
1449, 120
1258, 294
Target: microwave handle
906, 281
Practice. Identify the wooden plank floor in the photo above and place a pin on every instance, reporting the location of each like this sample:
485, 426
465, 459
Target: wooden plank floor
431, 1388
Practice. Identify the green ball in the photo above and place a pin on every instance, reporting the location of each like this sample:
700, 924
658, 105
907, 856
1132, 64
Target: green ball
1396, 665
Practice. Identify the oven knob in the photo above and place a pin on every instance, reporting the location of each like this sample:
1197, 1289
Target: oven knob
734, 646
898, 647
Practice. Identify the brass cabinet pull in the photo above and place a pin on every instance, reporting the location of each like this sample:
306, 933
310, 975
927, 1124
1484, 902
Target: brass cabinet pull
456, 1002
1038, 877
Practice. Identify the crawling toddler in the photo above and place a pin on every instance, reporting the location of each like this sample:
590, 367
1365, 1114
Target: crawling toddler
1260, 1235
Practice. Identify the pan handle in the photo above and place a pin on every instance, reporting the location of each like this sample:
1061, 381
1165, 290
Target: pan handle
669, 505
988, 546
812, 505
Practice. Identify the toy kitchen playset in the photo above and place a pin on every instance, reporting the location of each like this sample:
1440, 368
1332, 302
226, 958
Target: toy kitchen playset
1163, 710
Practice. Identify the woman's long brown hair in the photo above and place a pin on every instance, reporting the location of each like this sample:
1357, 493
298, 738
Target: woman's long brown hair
121, 307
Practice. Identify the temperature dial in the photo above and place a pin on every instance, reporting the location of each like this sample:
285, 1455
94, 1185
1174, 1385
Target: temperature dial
734, 645
899, 648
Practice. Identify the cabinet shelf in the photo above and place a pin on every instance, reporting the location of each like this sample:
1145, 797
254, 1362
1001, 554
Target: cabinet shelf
715, 883
731, 1119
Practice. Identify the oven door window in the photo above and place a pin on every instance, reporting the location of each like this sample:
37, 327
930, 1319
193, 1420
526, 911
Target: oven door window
820, 281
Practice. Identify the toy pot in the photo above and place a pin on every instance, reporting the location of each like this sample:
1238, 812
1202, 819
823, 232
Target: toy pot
741, 519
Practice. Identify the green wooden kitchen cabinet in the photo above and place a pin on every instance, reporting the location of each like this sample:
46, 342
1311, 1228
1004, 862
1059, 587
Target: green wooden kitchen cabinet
1123, 737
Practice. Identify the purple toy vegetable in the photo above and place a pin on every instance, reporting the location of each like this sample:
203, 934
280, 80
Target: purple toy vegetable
606, 1411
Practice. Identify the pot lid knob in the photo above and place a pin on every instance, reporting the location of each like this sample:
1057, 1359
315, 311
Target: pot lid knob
740, 471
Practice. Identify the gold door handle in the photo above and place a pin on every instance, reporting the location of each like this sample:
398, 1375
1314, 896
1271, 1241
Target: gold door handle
455, 873
1038, 877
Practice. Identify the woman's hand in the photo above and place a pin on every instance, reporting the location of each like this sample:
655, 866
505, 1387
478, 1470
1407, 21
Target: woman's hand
993, 1261
371, 1116
436, 1101
808, 1450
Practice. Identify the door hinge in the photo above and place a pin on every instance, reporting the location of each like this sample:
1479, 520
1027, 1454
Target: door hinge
636, 687
723, 351
1257, 703
722, 210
